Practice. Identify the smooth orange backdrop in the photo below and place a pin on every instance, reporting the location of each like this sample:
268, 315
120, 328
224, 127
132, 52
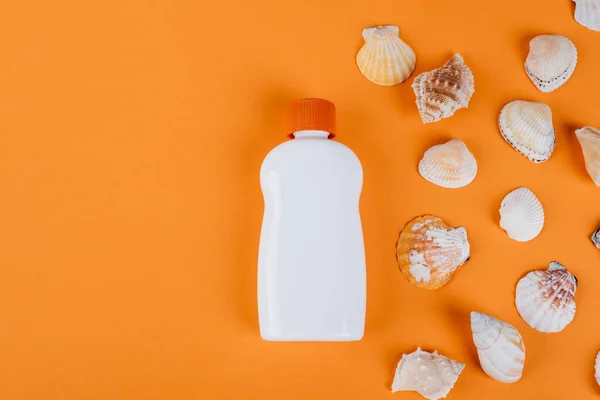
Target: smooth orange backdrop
131, 137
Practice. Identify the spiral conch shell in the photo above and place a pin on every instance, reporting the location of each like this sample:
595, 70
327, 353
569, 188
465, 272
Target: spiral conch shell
546, 299
385, 59
596, 238
500, 348
444, 90
551, 61
521, 215
527, 127
589, 139
429, 374
587, 13
429, 251
449, 165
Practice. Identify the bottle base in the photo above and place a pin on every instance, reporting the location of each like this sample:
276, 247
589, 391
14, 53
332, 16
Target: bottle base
344, 337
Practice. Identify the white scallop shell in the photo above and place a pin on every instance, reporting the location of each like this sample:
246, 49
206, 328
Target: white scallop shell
429, 374
385, 59
589, 139
551, 61
500, 348
597, 368
546, 299
587, 13
449, 165
521, 215
527, 127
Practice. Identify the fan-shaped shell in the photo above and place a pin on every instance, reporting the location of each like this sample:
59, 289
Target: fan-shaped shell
429, 251
449, 165
589, 139
385, 59
546, 299
587, 13
597, 368
444, 90
551, 61
500, 348
527, 127
429, 374
521, 215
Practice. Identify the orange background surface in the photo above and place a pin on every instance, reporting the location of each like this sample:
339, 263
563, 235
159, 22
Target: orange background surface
132, 134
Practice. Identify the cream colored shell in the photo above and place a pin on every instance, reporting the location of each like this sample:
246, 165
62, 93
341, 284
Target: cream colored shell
546, 299
587, 13
449, 165
589, 139
444, 90
385, 59
597, 368
551, 61
500, 348
528, 128
521, 215
429, 374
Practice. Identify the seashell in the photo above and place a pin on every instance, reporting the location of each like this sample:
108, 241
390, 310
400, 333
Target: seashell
597, 368
500, 348
385, 59
449, 165
587, 13
521, 215
589, 139
551, 61
527, 127
596, 238
546, 299
444, 90
429, 251
429, 374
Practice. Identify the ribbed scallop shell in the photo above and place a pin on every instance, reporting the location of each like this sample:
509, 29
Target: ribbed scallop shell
429, 251
589, 139
449, 165
444, 90
551, 61
500, 348
546, 299
521, 215
527, 127
597, 368
385, 59
429, 374
587, 13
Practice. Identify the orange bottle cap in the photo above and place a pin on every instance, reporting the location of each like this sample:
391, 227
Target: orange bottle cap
312, 114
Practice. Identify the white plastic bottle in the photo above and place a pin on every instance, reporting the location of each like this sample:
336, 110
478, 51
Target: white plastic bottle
311, 266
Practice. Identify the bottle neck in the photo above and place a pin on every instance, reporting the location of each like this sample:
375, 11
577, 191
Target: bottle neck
311, 134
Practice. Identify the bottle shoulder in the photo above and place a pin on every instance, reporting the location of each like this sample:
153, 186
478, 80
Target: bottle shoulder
310, 150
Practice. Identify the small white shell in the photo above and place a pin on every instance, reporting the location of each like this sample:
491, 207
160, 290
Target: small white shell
597, 368
546, 299
500, 348
429, 374
521, 215
589, 139
587, 13
385, 59
551, 61
449, 165
527, 127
